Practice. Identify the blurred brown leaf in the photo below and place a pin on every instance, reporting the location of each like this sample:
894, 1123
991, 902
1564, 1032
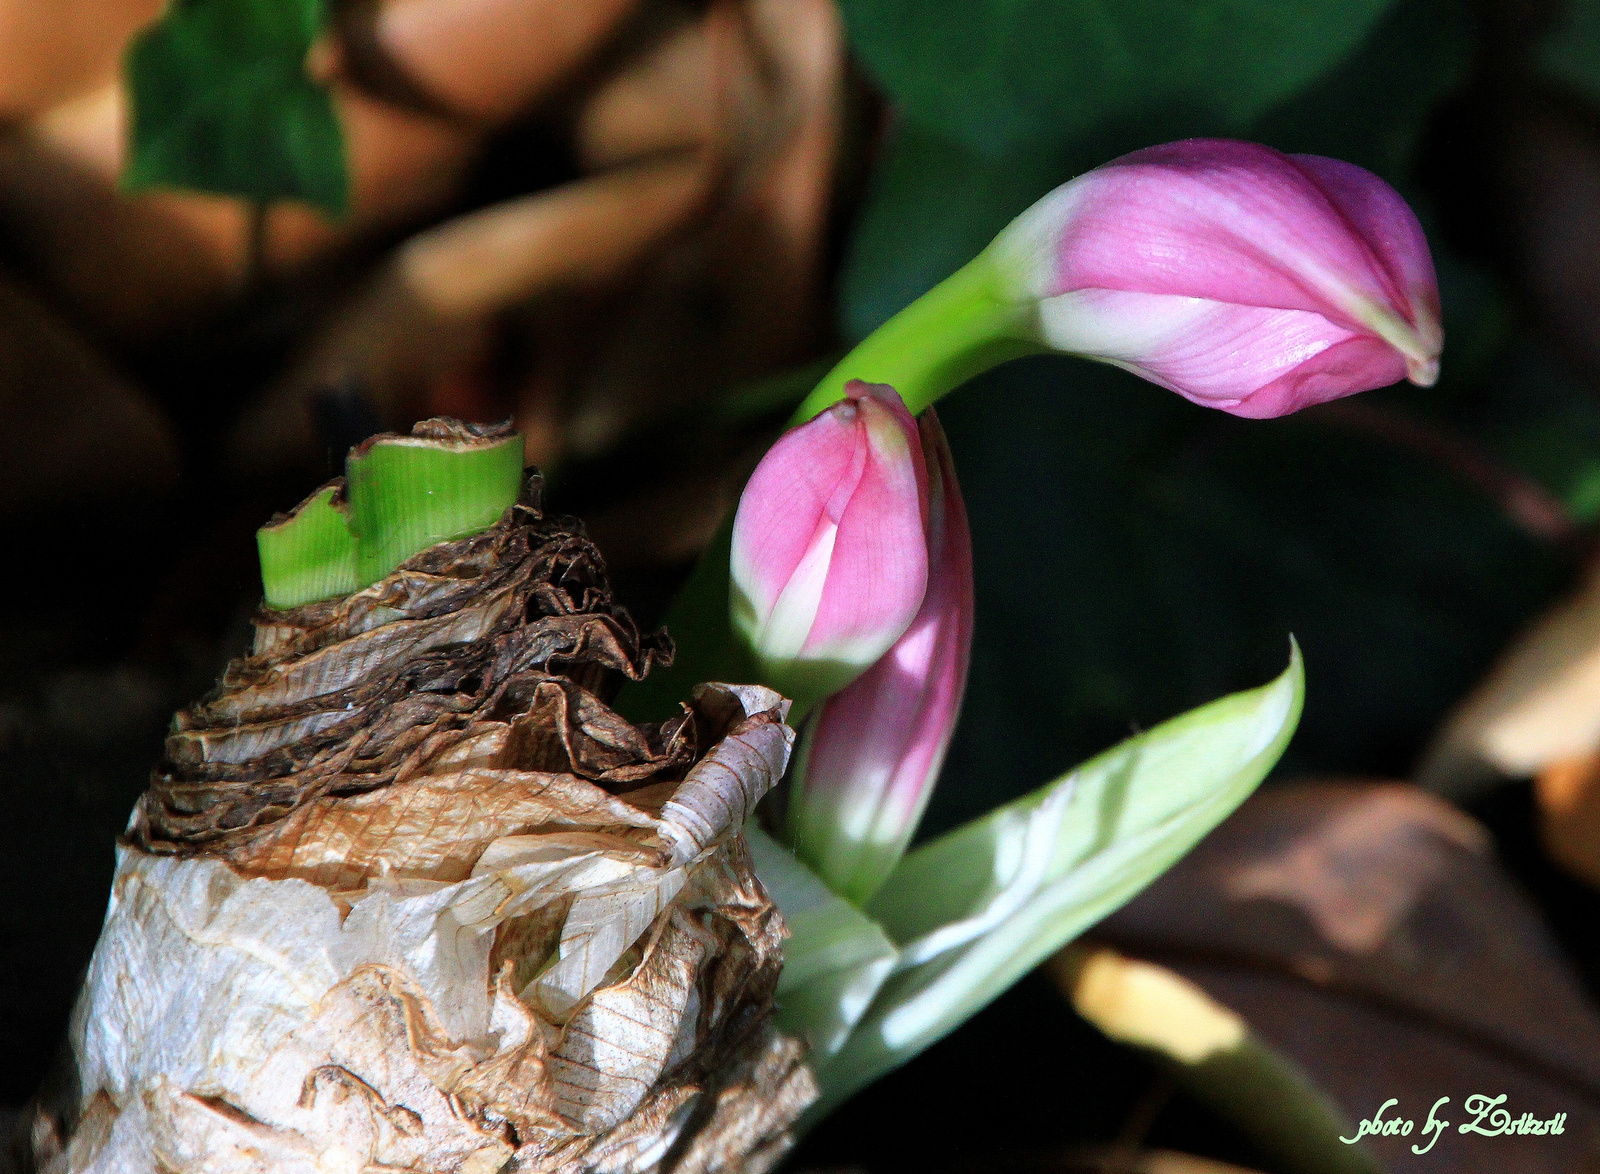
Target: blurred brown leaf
1568, 796
73, 430
1539, 704
1365, 931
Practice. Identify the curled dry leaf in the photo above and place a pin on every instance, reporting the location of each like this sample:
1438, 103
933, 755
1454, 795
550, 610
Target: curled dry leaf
406, 894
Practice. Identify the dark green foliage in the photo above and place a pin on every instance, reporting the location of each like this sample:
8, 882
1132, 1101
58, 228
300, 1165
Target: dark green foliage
1569, 51
222, 103
999, 72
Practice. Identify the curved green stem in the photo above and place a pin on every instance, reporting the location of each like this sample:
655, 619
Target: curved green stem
958, 329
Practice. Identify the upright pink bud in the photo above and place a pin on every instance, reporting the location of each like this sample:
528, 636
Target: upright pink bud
1240, 277
870, 754
829, 562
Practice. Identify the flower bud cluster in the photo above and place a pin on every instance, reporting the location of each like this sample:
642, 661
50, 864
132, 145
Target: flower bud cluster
852, 582
1237, 276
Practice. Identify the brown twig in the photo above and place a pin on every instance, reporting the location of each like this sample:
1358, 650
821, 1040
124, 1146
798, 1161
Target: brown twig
1529, 506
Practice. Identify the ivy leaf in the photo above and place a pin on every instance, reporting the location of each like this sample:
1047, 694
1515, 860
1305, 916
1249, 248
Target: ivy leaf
222, 103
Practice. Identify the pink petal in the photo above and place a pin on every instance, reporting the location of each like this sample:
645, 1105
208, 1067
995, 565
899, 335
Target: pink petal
787, 498
1228, 221
1390, 228
1218, 268
1360, 363
1382, 219
873, 751
1213, 353
829, 561
879, 570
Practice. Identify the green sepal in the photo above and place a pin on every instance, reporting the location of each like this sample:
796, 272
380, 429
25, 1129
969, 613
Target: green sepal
221, 102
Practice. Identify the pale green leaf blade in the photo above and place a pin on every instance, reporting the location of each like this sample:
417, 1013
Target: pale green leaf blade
835, 957
409, 492
309, 553
1115, 824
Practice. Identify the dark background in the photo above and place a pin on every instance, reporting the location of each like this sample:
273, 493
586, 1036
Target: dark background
1136, 555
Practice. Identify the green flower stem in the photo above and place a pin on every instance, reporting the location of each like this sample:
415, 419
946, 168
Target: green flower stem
960, 328
401, 495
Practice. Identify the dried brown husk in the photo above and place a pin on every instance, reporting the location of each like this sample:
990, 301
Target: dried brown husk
406, 894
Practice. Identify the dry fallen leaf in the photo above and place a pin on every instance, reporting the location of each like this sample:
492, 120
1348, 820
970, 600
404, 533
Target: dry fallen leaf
1539, 705
1364, 931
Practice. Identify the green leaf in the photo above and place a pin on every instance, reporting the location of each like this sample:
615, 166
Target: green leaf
310, 553
400, 495
409, 492
995, 73
977, 908
222, 103
835, 957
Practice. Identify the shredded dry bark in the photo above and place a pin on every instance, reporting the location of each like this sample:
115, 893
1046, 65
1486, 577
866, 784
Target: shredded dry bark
404, 884
351, 694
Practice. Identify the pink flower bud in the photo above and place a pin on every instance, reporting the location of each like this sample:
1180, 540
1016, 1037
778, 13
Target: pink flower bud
829, 561
870, 754
1233, 274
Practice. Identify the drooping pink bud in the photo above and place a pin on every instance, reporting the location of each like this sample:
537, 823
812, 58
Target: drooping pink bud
1240, 277
871, 753
829, 562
